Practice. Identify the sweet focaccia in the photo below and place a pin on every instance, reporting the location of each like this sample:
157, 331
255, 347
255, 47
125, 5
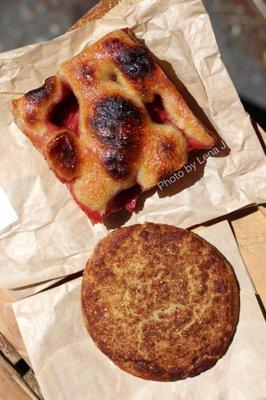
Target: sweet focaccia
110, 124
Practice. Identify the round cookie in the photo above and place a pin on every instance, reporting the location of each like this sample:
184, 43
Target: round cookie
159, 301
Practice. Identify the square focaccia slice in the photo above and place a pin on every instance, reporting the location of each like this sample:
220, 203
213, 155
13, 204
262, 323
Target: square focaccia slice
110, 124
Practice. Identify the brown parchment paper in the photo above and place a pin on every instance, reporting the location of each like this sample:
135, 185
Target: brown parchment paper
69, 366
52, 237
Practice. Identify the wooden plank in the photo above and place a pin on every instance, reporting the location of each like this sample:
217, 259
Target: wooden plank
11, 384
250, 231
8, 350
9, 328
96, 12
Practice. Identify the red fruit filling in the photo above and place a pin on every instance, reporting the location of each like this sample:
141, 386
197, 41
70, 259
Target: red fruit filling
156, 110
125, 199
66, 113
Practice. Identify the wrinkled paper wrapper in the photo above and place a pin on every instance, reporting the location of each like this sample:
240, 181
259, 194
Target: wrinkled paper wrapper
69, 366
52, 237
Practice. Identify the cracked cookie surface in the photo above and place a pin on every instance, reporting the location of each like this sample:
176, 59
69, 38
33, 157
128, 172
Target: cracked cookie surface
159, 301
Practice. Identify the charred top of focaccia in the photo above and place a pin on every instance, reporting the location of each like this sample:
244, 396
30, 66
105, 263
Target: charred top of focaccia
159, 301
110, 120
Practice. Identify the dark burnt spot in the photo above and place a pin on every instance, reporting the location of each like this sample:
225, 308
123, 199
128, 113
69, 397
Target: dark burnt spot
116, 123
42, 93
63, 153
85, 72
135, 61
115, 163
113, 122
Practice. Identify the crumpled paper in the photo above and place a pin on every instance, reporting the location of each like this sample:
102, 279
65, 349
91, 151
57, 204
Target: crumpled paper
69, 366
52, 237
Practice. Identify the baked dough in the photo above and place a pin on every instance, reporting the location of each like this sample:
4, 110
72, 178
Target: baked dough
110, 124
159, 301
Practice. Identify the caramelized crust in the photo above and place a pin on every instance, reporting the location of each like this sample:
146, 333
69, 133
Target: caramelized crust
159, 301
109, 120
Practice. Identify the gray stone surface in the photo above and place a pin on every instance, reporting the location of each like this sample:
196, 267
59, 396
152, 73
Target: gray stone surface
238, 26
29, 21
240, 31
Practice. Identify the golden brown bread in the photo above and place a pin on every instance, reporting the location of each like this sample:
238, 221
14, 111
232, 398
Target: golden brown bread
159, 301
110, 121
